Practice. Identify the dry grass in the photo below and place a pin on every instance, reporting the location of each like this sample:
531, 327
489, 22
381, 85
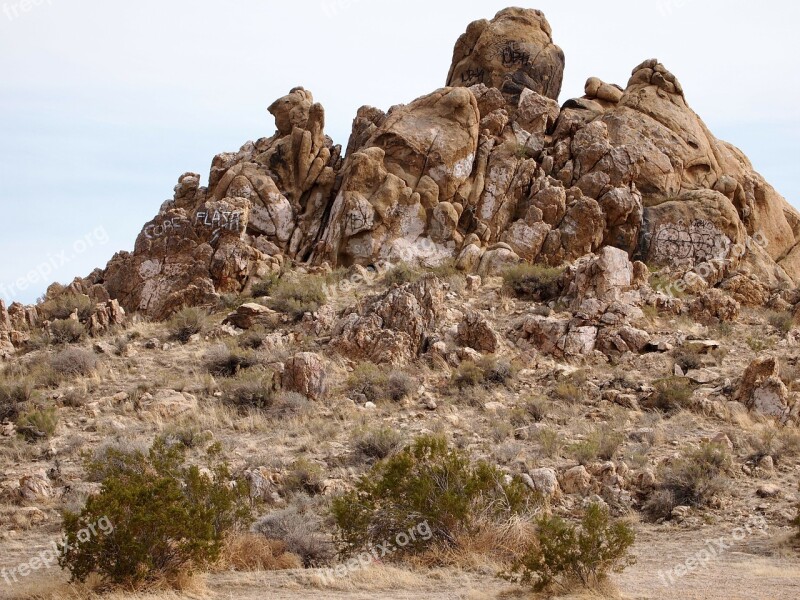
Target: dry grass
253, 552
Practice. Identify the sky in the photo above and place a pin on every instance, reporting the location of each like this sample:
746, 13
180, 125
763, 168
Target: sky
104, 104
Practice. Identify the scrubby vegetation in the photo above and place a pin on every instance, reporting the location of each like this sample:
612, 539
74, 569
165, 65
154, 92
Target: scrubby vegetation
533, 282
155, 519
693, 479
186, 323
428, 482
298, 296
564, 554
670, 395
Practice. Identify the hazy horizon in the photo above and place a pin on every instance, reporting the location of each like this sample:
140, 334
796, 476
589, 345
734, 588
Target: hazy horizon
105, 106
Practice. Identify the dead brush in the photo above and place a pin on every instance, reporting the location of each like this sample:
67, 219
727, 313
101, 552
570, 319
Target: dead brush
247, 552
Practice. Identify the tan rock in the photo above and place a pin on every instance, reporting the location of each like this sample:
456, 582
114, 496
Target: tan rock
512, 52
306, 373
476, 333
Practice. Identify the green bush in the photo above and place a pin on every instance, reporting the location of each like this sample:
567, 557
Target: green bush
165, 518
187, 322
533, 282
601, 444
427, 482
38, 424
298, 297
66, 331
671, 394
692, 479
564, 554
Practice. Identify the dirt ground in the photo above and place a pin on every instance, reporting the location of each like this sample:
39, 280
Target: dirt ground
760, 567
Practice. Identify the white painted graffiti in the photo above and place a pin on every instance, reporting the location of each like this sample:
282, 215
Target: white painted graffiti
688, 244
156, 230
230, 220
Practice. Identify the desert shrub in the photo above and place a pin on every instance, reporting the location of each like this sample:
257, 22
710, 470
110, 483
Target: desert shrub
567, 391
302, 529
368, 379
688, 359
467, 375
488, 371
375, 384
399, 385
304, 476
298, 297
66, 331
564, 554
534, 282
187, 322
252, 552
401, 274
670, 395
250, 389
783, 321
550, 442
12, 395
428, 482
227, 361
497, 371
74, 362
154, 520
264, 287
377, 442
252, 340
692, 479
65, 304
601, 444
38, 424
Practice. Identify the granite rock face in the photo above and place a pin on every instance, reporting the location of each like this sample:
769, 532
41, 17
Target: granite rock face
487, 172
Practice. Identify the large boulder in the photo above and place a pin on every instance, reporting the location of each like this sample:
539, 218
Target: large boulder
762, 389
512, 52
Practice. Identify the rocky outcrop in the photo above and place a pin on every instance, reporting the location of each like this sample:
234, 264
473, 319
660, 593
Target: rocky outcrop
488, 171
512, 52
603, 295
474, 332
393, 327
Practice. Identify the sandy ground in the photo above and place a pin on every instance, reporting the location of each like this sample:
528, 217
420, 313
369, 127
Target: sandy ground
760, 567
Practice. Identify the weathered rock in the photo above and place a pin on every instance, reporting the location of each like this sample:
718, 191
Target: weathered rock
35, 487
393, 327
512, 52
168, 404
545, 482
251, 314
306, 373
576, 480
476, 333
714, 304
761, 389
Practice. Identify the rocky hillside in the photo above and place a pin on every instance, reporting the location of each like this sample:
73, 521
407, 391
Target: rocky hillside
598, 299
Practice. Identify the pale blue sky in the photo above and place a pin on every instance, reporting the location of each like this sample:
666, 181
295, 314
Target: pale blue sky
103, 104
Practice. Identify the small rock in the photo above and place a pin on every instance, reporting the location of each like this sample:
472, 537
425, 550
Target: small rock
679, 513
545, 482
766, 464
474, 283
723, 440
768, 490
370, 406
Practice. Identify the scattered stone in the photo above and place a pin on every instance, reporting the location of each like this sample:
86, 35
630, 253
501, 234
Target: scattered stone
306, 373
